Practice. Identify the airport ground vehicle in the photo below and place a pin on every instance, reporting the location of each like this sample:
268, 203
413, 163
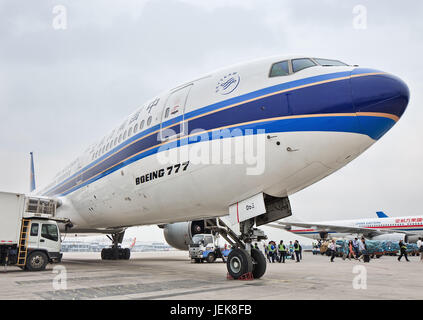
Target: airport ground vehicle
29, 235
204, 247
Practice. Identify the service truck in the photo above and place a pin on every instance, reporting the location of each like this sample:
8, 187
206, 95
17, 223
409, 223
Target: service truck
204, 247
29, 234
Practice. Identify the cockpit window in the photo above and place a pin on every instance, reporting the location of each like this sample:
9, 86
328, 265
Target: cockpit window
300, 64
279, 69
329, 62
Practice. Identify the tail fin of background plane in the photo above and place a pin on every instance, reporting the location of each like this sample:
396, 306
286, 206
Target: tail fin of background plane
381, 214
32, 174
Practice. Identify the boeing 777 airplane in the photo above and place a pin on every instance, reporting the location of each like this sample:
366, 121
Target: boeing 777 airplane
408, 229
237, 142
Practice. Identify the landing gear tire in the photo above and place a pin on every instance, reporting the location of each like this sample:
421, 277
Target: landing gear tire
115, 254
36, 261
239, 263
127, 254
211, 258
259, 263
104, 254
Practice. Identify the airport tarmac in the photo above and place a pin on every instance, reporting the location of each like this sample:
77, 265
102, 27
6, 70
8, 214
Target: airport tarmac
171, 275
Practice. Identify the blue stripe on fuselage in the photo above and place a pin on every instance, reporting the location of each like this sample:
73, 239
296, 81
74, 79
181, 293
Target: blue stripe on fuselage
275, 105
132, 153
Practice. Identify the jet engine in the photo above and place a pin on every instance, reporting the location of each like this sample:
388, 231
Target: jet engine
392, 237
179, 235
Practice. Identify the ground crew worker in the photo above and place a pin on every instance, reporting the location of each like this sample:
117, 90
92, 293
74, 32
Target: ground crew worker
420, 246
301, 251
332, 247
266, 252
362, 247
282, 252
297, 250
403, 249
271, 248
291, 250
355, 247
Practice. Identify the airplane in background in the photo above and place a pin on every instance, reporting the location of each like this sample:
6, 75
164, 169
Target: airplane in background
408, 229
310, 116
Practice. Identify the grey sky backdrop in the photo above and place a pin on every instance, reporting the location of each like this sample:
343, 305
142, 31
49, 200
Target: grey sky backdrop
62, 89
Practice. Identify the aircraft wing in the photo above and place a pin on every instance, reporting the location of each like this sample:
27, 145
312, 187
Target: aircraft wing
366, 232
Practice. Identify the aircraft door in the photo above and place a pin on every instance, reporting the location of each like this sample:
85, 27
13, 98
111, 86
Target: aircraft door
173, 124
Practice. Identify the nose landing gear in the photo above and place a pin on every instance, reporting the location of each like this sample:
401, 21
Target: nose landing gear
243, 259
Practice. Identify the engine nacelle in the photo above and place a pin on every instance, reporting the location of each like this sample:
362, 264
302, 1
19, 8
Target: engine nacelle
179, 234
392, 237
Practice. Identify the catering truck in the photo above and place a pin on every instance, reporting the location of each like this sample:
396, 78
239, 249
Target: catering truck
29, 234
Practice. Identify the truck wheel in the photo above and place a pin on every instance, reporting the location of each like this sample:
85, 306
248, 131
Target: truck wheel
239, 263
211, 258
259, 263
36, 261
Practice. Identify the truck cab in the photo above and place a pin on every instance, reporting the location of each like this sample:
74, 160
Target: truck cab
204, 247
44, 237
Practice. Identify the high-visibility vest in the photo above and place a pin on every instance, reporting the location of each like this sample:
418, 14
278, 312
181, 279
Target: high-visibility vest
281, 247
270, 248
297, 247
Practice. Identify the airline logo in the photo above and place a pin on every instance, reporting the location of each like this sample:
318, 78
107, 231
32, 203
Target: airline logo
409, 220
228, 83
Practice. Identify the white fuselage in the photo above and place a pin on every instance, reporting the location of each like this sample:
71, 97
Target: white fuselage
125, 180
412, 224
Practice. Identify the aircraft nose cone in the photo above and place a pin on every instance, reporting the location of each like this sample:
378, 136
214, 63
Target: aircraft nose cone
379, 100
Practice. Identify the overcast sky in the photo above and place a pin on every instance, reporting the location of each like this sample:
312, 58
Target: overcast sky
61, 89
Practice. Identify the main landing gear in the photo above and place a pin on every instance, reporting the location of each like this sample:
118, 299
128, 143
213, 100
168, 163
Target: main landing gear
116, 252
243, 260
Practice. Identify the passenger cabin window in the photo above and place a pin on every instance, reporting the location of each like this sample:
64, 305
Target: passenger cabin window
124, 135
129, 132
49, 231
135, 128
150, 118
279, 69
142, 125
34, 230
329, 62
167, 112
300, 64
